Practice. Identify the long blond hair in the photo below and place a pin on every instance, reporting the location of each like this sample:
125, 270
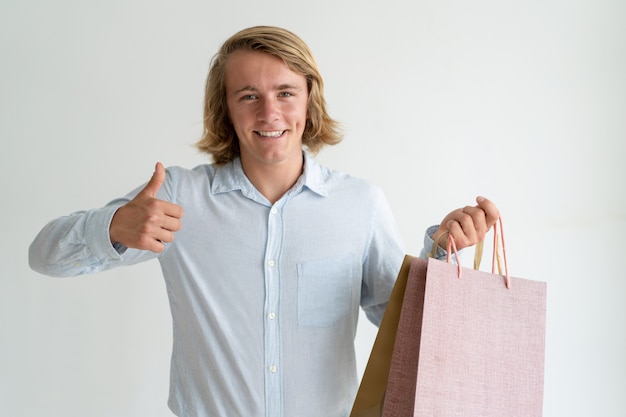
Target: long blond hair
219, 138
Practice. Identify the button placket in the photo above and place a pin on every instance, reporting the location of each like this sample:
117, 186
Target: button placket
272, 326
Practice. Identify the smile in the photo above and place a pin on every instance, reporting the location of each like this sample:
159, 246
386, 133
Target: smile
270, 134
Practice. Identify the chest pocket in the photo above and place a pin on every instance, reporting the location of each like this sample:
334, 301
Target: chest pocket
325, 291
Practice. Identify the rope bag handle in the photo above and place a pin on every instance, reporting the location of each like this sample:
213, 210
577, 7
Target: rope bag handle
498, 242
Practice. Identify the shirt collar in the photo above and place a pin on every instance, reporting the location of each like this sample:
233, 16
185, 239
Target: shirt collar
230, 177
313, 177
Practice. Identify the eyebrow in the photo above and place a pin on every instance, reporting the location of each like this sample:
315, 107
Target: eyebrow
278, 88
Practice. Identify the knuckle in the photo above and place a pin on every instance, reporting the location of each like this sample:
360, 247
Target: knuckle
143, 241
465, 219
153, 204
152, 218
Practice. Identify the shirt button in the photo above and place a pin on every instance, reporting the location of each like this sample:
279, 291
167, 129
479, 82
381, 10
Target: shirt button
274, 210
272, 315
270, 262
273, 369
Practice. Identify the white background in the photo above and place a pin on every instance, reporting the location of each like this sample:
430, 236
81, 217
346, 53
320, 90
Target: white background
523, 102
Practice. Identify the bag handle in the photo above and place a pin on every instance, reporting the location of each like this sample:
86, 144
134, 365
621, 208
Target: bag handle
478, 253
496, 250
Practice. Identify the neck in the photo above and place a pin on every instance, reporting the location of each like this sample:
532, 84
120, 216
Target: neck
273, 180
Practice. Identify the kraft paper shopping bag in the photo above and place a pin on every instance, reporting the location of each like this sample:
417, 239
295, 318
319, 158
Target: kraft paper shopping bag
371, 395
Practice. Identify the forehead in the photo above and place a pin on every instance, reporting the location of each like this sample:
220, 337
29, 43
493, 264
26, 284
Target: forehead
260, 70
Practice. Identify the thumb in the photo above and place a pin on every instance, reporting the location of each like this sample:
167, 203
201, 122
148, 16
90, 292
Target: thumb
155, 182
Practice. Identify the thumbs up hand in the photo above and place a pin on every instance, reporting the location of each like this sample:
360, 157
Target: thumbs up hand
146, 222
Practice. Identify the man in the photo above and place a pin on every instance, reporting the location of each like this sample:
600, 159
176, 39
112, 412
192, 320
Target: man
274, 255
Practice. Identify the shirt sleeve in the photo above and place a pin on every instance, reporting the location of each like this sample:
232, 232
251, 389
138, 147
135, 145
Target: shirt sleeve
382, 259
80, 243
427, 250
75, 244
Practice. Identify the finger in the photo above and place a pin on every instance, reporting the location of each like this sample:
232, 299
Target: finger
160, 216
492, 213
458, 234
172, 210
478, 221
153, 245
164, 236
463, 230
155, 182
171, 224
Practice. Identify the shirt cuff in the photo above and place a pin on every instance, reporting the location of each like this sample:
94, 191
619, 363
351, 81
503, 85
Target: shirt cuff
427, 249
97, 234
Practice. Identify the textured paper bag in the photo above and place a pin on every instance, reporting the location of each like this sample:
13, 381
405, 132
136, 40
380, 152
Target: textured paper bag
465, 343
481, 347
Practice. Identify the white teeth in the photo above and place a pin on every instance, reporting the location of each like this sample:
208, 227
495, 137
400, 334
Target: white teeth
271, 134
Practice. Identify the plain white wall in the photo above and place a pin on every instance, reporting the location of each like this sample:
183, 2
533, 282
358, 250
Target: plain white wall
524, 102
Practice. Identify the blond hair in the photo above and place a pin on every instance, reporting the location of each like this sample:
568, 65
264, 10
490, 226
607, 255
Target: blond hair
219, 138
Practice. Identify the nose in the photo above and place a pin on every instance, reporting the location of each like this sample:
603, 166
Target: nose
268, 110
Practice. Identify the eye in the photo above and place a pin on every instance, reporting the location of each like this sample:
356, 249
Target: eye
248, 97
285, 94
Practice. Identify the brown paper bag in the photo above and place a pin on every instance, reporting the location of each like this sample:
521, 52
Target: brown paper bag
461, 346
371, 394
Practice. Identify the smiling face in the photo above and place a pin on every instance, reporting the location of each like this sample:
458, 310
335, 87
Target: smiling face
267, 105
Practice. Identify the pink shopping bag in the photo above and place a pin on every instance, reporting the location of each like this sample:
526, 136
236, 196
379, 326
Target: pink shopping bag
461, 342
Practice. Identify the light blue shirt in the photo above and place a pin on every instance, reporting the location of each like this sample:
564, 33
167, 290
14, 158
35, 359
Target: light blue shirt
264, 297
